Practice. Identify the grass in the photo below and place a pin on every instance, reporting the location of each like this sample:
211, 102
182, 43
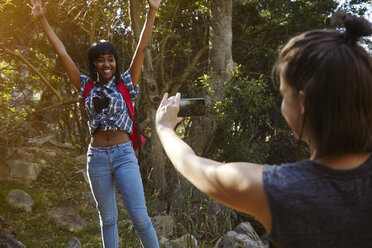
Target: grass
58, 185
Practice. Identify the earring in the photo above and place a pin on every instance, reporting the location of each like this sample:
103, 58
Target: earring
97, 76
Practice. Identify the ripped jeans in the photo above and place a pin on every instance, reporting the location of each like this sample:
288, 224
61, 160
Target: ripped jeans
107, 165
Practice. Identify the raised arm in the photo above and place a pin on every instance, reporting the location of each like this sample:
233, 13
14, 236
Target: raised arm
139, 55
238, 185
39, 10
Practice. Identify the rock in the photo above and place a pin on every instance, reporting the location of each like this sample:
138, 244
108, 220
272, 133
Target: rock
45, 154
49, 140
8, 236
37, 152
243, 236
247, 229
186, 240
163, 225
7, 241
40, 140
74, 243
4, 227
68, 219
164, 242
235, 240
23, 170
20, 199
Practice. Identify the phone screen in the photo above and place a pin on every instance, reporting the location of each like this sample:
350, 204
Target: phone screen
191, 107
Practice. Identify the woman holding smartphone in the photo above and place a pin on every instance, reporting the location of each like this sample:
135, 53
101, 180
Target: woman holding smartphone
324, 201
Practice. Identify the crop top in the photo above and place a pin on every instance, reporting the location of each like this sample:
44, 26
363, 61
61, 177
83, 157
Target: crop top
114, 116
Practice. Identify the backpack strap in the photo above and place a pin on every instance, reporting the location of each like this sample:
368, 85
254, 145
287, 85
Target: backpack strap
125, 93
137, 139
88, 87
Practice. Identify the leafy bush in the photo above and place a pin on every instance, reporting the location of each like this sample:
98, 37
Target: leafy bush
244, 121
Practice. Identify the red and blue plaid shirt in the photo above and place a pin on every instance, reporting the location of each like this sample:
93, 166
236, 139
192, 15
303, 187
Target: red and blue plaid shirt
116, 116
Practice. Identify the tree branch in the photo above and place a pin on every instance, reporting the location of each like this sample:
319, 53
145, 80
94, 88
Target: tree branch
165, 43
80, 21
33, 68
94, 21
263, 29
175, 83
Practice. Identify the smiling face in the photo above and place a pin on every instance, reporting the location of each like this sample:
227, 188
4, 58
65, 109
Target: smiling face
105, 67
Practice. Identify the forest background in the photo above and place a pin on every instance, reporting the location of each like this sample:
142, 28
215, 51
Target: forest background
221, 50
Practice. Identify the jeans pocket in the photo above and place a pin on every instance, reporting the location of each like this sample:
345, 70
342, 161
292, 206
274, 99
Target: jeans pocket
91, 156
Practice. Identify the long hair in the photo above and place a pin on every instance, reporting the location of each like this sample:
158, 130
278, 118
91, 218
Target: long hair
335, 74
98, 48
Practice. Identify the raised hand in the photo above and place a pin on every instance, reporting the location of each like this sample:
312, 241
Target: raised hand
37, 8
166, 115
154, 4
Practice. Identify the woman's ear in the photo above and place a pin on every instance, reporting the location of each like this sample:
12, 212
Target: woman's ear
301, 100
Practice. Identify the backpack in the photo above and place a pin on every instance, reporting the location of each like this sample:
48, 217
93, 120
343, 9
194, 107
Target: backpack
138, 140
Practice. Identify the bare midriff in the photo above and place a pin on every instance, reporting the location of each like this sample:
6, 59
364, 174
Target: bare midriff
109, 138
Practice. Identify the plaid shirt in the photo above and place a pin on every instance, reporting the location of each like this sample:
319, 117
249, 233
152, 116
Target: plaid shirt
116, 116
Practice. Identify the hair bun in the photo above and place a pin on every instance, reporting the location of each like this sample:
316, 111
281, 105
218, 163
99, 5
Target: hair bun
356, 27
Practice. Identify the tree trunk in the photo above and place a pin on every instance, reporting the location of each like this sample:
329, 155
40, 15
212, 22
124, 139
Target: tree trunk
222, 64
96, 10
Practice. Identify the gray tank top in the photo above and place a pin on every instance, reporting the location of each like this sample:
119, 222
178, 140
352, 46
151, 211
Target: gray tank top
315, 206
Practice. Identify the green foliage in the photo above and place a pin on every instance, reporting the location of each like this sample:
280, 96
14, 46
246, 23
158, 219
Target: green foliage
260, 27
3, 3
249, 124
58, 185
243, 117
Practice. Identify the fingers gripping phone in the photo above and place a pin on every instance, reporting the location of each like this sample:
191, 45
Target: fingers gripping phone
191, 107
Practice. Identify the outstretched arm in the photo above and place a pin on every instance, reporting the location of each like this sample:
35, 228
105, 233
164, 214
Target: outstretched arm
39, 10
238, 185
139, 55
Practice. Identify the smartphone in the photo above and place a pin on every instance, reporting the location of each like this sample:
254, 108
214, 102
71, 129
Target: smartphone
191, 107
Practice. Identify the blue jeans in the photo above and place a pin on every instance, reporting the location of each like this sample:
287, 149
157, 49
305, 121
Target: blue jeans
107, 165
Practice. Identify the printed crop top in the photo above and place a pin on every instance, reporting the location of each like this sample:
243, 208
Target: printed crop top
114, 116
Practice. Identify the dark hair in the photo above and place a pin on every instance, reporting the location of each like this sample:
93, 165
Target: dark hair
98, 48
335, 74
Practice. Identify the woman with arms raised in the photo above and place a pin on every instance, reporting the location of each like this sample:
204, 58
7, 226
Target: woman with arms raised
326, 200
110, 156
